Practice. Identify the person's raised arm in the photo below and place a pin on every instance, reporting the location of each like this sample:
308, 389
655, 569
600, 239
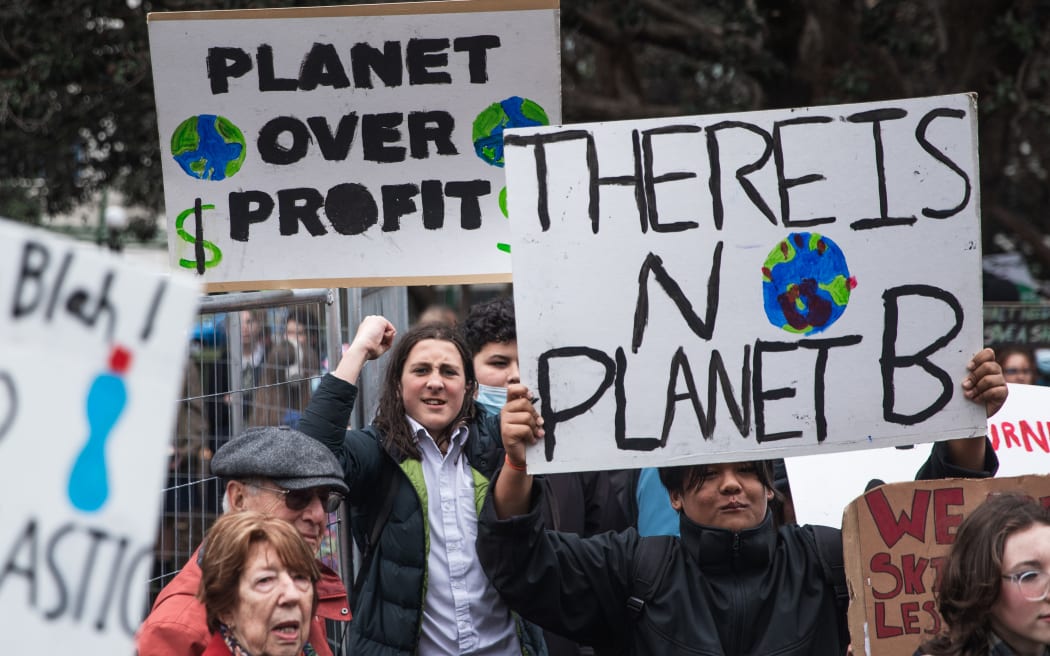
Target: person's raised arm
520, 426
983, 384
327, 415
373, 339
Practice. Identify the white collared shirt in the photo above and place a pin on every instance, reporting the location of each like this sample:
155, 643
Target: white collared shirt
462, 612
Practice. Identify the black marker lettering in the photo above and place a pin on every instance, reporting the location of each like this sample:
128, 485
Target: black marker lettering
224, 63
891, 361
246, 208
655, 266
299, 205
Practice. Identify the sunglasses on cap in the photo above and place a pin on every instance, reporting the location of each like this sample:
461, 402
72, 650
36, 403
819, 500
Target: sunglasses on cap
299, 499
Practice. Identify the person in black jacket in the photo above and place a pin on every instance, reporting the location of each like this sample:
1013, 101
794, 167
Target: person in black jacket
416, 479
733, 584
584, 503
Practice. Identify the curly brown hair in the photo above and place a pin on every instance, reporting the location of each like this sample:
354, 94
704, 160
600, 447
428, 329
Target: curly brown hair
390, 415
972, 575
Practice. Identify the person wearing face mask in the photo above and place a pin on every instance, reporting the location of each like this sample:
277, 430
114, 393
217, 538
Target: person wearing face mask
416, 477
584, 502
579, 502
994, 593
493, 341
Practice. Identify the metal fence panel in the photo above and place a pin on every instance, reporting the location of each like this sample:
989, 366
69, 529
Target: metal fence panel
255, 360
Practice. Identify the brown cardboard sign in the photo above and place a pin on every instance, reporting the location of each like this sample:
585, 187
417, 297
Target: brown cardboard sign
895, 541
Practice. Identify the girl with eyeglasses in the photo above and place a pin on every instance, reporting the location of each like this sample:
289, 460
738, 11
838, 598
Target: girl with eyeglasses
1018, 364
994, 595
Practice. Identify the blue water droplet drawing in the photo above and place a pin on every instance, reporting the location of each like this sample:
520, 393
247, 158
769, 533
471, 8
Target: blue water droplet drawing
89, 480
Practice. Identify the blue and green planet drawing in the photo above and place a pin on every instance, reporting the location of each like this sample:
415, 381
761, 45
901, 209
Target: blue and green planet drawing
208, 147
487, 134
806, 283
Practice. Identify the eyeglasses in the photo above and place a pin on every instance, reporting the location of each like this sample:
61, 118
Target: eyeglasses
299, 499
1032, 584
1014, 371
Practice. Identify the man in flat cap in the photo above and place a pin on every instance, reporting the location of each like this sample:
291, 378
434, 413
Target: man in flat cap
277, 471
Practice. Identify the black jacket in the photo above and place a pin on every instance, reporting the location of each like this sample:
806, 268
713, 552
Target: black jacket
388, 613
761, 591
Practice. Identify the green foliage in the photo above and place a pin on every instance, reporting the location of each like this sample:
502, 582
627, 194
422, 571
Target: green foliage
20, 201
77, 110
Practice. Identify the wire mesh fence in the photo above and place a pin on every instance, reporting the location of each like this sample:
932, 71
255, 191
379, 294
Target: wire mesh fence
255, 359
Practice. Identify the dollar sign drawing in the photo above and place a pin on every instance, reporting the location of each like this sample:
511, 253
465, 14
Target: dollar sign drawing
199, 244
503, 208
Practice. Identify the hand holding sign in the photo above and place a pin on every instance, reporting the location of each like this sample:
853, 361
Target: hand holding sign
520, 424
985, 383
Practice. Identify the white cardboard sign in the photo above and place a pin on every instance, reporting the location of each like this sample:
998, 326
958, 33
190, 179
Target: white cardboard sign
93, 357
753, 285
340, 146
1019, 433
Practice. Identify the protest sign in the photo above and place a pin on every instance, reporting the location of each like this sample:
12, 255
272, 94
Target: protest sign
1017, 323
347, 146
895, 539
1020, 431
1021, 324
93, 357
747, 286
1019, 434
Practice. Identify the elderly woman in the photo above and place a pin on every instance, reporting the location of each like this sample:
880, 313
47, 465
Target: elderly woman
257, 586
995, 591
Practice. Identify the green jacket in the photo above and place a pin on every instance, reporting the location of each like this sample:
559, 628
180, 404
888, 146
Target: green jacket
387, 616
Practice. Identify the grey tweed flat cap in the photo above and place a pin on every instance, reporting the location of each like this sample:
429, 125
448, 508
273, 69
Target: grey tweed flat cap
289, 458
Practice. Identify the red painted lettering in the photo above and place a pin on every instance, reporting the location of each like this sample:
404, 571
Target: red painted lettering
938, 569
882, 630
993, 430
892, 528
912, 571
1009, 435
880, 564
944, 523
931, 609
1029, 435
909, 617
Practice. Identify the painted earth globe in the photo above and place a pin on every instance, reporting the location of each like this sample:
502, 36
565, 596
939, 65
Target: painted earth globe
208, 147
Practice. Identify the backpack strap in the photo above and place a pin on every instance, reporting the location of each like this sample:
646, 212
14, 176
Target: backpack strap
651, 561
828, 544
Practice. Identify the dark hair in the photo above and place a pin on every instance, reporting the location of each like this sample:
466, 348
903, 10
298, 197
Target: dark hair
390, 415
1005, 351
309, 324
685, 478
492, 321
278, 390
225, 556
972, 575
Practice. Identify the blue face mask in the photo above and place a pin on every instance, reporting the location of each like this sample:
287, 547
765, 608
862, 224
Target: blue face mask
491, 398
